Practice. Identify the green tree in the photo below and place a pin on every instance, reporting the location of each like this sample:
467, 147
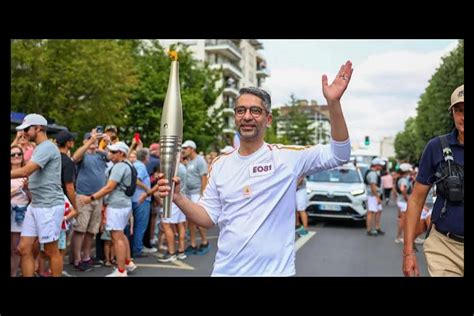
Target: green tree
297, 126
271, 132
432, 117
77, 83
198, 94
406, 142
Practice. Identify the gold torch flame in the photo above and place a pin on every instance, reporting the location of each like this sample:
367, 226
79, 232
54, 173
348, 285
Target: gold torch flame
173, 54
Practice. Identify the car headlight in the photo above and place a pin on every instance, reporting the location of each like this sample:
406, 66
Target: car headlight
358, 192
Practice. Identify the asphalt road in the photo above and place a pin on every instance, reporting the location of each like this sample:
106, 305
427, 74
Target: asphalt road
332, 248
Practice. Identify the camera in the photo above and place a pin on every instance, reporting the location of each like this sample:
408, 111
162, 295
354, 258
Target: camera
99, 129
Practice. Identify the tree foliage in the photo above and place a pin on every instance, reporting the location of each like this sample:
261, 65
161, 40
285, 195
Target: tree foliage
77, 83
297, 126
432, 117
84, 83
198, 93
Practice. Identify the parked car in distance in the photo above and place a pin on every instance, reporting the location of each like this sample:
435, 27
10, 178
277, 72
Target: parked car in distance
337, 193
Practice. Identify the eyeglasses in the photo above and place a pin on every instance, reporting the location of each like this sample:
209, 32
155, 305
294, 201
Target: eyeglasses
16, 154
255, 111
27, 129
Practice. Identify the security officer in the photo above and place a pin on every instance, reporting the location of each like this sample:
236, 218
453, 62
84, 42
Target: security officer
444, 248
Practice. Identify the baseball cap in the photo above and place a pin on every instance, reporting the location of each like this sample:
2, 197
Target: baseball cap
457, 96
119, 146
63, 137
111, 128
32, 119
189, 143
154, 146
404, 167
378, 161
87, 136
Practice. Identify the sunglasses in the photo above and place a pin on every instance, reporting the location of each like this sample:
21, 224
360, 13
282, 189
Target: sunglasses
113, 152
28, 128
16, 155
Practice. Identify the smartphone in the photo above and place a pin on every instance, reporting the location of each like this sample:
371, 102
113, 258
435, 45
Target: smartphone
137, 137
99, 129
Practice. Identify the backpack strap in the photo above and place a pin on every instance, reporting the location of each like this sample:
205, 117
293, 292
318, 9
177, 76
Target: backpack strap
447, 152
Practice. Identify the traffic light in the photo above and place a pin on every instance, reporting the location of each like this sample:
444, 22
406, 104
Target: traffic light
367, 141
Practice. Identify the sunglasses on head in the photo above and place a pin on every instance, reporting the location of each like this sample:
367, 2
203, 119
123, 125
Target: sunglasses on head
18, 154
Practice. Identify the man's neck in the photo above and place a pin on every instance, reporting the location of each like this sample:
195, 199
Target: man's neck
461, 137
63, 150
40, 137
248, 148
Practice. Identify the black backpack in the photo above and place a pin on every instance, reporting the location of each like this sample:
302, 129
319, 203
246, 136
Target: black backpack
367, 181
409, 186
129, 190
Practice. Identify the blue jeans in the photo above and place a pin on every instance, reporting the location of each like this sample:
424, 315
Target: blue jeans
141, 217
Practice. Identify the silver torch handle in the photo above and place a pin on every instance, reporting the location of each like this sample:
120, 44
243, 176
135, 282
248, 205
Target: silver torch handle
170, 152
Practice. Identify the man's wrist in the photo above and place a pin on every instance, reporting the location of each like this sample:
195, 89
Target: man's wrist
92, 197
178, 198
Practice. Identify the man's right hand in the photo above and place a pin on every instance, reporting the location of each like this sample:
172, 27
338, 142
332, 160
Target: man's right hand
19, 134
410, 266
164, 187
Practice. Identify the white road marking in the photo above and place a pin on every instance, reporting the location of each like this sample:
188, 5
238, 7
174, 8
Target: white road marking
174, 265
303, 239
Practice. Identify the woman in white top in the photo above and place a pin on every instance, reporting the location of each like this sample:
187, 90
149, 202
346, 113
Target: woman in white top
20, 198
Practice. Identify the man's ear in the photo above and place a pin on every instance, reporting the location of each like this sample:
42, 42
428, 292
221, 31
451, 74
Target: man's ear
270, 120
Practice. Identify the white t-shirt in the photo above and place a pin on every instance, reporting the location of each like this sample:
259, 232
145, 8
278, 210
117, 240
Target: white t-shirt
252, 200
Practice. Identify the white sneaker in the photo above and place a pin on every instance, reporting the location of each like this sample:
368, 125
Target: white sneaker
168, 258
181, 255
117, 273
131, 266
164, 248
419, 241
399, 240
66, 274
149, 250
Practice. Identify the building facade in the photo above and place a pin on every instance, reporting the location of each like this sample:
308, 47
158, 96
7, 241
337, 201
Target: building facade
317, 116
242, 65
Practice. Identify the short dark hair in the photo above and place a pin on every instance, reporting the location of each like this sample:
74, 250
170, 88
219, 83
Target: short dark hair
258, 92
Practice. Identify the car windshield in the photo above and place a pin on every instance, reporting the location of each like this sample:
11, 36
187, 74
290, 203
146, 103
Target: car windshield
336, 175
363, 170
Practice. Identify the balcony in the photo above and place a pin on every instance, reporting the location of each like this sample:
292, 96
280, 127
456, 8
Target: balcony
229, 70
256, 43
228, 131
226, 48
231, 92
228, 111
263, 72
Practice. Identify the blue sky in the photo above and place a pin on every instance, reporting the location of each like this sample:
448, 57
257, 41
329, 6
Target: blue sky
389, 77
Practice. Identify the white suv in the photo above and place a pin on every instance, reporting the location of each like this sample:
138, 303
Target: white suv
337, 193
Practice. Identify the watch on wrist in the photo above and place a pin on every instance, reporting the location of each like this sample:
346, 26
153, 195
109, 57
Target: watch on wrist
92, 197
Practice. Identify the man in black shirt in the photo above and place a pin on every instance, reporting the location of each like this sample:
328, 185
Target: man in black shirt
65, 142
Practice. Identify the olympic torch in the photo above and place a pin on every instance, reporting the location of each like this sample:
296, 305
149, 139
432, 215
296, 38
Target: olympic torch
171, 132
